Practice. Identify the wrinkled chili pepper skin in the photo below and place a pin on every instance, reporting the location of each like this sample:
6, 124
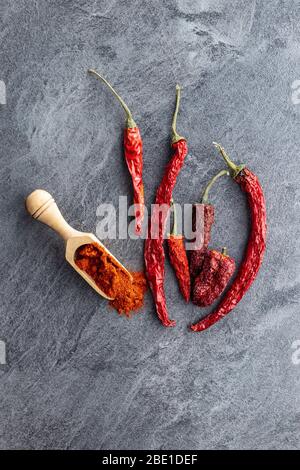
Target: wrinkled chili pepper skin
212, 280
166, 187
254, 254
155, 273
179, 261
207, 213
133, 149
154, 252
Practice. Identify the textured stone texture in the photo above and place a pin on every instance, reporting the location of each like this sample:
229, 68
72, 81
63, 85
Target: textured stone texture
77, 375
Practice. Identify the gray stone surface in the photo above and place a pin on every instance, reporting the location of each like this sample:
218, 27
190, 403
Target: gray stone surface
77, 375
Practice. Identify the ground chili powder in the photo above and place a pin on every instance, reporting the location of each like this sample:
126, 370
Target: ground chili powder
128, 295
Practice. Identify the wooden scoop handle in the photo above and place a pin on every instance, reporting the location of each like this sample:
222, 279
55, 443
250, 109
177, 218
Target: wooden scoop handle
42, 207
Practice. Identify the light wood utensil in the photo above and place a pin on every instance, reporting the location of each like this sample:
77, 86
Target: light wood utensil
42, 207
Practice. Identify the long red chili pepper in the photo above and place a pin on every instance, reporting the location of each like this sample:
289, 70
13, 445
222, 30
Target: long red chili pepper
154, 252
205, 212
213, 278
178, 259
256, 245
133, 150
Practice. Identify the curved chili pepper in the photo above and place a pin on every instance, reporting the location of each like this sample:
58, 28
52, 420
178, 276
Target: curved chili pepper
256, 245
133, 150
206, 212
178, 259
212, 280
154, 252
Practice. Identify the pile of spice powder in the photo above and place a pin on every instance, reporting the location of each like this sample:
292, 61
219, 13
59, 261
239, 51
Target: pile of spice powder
127, 295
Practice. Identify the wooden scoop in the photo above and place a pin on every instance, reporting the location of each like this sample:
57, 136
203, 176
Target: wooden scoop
42, 207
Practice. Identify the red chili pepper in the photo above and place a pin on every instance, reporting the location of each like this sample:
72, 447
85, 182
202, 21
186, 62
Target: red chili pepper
205, 212
178, 259
256, 245
154, 252
133, 150
213, 278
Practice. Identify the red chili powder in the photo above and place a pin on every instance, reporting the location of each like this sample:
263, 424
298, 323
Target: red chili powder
108, 276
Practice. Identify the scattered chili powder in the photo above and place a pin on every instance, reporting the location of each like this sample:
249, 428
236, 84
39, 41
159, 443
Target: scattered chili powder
127, 295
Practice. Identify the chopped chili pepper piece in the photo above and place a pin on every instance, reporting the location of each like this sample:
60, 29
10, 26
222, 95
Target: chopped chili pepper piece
133, 150
211, 282
256, 245
206, 212
178, 259
154, 252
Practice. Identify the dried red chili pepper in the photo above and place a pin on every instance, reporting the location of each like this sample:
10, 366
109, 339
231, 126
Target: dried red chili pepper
178, 258
256, 245
154, 252
133, 150
205, 212
213, 278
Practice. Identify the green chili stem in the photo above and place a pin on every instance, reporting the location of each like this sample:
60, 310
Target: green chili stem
174, 229
130, 121
176, 137
234, 169
204, 199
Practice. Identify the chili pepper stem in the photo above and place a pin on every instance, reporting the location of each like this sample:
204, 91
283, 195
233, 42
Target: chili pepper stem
130, 123
175, 136
224, 251
234, 169
204, 199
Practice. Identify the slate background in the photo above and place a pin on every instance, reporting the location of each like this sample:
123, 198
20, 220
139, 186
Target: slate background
77, 375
